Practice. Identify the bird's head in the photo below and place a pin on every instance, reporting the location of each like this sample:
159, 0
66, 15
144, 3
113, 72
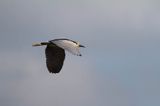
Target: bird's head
79, 45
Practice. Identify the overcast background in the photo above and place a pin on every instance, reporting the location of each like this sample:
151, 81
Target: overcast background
120, 65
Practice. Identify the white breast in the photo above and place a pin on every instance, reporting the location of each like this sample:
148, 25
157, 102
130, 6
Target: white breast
70, 46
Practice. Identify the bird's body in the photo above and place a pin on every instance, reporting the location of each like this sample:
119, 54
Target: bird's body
55, 52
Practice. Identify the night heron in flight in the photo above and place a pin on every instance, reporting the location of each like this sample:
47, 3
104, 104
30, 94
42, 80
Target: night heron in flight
55, 52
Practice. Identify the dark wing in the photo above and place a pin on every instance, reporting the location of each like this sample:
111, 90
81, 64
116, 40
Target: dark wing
54, 58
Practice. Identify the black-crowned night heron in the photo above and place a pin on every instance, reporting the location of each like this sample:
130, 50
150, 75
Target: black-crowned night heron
55, 52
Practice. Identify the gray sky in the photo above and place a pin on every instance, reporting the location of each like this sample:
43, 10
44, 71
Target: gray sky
119, 67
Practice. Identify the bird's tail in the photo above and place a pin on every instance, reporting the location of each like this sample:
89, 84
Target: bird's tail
40, 44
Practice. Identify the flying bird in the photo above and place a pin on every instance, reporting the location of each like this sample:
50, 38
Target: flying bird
55, 52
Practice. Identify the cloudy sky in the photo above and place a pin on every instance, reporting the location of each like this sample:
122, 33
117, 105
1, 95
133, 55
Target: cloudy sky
120, 65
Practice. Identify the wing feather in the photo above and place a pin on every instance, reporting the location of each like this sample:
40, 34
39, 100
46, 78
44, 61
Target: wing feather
54, 58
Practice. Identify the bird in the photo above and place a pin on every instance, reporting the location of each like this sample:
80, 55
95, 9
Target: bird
55, 52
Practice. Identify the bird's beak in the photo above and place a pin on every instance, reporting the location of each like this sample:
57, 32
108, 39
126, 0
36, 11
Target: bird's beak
81, 46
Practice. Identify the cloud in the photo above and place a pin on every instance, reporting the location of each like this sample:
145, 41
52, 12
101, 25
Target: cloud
119, 65
26, 81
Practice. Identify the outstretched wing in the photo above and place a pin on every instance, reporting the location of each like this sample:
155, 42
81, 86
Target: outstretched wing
54, 58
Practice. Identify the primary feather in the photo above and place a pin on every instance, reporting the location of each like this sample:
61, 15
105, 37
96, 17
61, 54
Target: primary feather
54, 58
